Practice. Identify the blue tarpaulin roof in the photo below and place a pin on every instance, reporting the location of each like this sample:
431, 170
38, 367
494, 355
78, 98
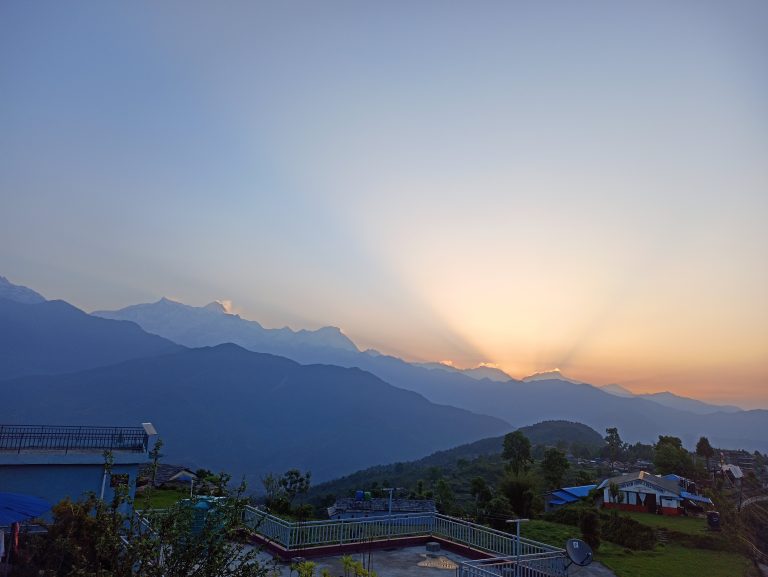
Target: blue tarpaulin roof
580, 491
15, 507
673, 477
692, 497
570, 494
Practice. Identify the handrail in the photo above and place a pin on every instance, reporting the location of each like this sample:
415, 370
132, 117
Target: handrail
498, 532
548, 564
519, 557
293, 535
759, 555
66, 438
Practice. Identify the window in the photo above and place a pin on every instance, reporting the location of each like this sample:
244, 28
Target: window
118, 480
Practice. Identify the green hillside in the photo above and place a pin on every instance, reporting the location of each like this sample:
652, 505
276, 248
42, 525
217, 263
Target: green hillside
458, 466
563, 433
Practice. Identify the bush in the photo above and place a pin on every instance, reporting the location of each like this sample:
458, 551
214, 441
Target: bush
629, 533
615, 528
589, 523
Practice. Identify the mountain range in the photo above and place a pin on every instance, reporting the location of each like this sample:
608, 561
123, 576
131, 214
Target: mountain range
544, 396
672, 400
249, 413
18, 293
322, 405
212, 325
48, 337
477, 373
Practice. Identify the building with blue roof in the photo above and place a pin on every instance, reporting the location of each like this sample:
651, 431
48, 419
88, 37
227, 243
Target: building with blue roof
565, 496
645, 492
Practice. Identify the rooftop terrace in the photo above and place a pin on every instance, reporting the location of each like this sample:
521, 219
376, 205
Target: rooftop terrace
18, 438
483, 552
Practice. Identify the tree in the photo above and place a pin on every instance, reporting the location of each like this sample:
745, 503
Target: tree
553, 467
669, 456
675, 442
589, 523
615, 493
705, 450
91, 538
639, 451
517, 450
446, 500
294, 483
614, 444
480, 490
499, 510
519, 491
274, 496
282, 491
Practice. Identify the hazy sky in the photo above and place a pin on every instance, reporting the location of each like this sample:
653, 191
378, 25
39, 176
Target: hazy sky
581, 185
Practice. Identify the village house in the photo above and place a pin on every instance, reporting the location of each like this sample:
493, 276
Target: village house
565, 496
644, 492
354, 507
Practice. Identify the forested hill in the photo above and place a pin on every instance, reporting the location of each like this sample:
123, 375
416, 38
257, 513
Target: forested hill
460, 464
563, 433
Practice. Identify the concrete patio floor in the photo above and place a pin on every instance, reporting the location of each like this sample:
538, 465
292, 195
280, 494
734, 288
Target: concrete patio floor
404, 562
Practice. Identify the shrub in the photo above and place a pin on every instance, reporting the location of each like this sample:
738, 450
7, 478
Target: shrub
615, 528
629, 533
589, 523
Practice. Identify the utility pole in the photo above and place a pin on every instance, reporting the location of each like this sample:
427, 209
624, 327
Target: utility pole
390, 490
517, 542
389, 516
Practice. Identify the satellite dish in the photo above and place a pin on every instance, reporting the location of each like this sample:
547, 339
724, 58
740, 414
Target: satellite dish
578, 552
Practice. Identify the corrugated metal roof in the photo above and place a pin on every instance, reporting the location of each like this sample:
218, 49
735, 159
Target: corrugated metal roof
734, 470
673, 477
346, 505
580, 491
570, 494
660, 482
692, 497
167, 473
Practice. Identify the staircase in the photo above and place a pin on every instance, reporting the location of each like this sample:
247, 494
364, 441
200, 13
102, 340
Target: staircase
661, 536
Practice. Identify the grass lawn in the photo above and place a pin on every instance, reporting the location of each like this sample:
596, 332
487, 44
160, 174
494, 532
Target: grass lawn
675, 561
664, 561
549, 533
690, 525
160, 498
557, 534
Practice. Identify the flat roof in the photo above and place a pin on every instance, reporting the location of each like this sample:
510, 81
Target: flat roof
391, 562
53, 438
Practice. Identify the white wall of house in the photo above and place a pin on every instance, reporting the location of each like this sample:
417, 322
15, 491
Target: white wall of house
630, 494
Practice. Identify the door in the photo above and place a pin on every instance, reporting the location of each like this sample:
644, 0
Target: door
650, 502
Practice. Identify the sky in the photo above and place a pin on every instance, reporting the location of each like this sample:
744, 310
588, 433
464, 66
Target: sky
580, 185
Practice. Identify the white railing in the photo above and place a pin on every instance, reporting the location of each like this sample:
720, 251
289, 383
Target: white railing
487, 539
542, 564
303, 535
306, 535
